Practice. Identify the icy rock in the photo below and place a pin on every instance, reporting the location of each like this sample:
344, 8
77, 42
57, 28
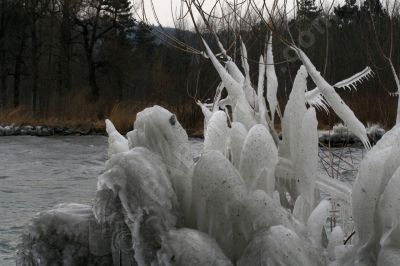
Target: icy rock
185, 246
8, 131
218, 191
139, 179
64, 236
278, 246
260, 212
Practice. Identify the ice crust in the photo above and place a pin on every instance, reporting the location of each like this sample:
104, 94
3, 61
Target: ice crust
247, 200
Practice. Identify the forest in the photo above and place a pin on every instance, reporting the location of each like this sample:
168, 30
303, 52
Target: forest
77, 62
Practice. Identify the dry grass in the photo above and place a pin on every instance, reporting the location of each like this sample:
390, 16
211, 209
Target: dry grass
81, 113
23, 116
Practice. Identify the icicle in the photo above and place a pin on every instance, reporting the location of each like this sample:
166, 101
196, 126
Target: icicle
233, 87
356, 78
314, 98
242, 111
272, 81
260, 93
251, 95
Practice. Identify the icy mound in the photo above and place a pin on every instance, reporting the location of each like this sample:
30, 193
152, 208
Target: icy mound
66, 235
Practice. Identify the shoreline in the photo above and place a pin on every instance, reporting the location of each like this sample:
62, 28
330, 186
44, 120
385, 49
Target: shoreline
326, 138
48, 131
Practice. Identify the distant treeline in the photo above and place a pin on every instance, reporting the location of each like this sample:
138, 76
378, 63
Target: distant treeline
85, 60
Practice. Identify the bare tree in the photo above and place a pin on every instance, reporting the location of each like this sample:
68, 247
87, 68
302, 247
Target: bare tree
393, 12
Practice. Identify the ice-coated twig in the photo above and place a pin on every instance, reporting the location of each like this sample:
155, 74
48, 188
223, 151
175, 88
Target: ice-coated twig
314, 97
352, 82
334, 100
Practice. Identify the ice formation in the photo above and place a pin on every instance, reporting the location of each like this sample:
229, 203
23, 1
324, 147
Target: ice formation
249, 199
272, 80
334, 100
314, 97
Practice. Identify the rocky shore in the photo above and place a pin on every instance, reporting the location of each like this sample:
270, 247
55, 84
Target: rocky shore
338, 137
45, 131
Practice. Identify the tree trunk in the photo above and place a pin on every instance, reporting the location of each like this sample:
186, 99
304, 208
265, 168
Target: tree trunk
66, 54
35, 67
89, 47
18, 72
396, 79
94, 88
3, 82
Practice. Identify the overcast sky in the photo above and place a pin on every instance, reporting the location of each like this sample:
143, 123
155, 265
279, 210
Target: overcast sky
163, 8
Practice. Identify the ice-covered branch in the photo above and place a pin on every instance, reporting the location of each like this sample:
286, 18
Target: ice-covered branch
334, 100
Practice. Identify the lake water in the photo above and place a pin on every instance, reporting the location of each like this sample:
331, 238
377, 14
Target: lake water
38, 173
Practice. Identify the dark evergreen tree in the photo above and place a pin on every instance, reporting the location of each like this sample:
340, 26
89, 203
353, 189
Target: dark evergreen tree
144, 38
348, 12
308, 10
373, 7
